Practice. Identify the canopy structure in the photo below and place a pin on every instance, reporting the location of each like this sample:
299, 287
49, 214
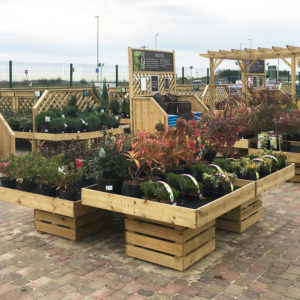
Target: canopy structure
246, 59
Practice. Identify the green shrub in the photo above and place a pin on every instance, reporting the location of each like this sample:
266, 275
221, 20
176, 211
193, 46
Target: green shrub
199, 169
57, 125
114, 106
40, 118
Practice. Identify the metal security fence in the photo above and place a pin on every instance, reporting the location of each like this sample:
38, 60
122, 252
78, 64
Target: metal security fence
26, 74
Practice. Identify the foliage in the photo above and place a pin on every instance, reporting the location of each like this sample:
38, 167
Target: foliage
125, 109
48, 171
104, 95
114, 106
219, 182
158, 190
68, 178
109, 162
199, 169
182, 183
40, 119
57, 125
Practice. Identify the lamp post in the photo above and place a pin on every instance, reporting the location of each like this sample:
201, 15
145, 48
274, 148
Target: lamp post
97, 17
155, 38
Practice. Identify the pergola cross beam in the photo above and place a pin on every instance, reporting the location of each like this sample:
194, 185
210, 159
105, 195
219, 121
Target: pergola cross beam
289, 52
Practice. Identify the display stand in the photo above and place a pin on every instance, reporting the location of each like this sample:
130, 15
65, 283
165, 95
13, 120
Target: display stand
151, 72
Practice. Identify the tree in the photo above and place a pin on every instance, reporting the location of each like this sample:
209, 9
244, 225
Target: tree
104, 96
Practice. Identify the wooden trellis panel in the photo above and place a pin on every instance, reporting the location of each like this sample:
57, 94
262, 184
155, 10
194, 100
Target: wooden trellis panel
189, 90
137, 84
17, 99
59, 98
5, 103
26, 103
222, 93
285, 88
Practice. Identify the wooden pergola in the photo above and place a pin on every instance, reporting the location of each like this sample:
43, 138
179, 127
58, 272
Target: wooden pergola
241, 56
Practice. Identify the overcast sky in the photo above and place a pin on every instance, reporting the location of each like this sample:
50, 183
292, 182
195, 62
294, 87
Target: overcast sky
65, 30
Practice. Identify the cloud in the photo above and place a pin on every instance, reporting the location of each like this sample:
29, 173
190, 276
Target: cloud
65, 31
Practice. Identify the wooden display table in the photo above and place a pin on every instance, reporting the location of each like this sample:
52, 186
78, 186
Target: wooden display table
151, 227
248, 213
68, 219
37, 139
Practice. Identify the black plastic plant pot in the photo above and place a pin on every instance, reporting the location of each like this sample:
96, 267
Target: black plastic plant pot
131, 190
45, 190
172, 108
109, 186
8, 183
68, 195
209, 156
184, 107
26, 186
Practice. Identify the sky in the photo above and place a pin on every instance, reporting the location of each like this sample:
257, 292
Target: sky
65, 31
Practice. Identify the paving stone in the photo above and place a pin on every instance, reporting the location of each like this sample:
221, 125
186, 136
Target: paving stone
263, 262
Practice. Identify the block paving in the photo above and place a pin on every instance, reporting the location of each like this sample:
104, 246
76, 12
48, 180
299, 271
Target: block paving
261, 263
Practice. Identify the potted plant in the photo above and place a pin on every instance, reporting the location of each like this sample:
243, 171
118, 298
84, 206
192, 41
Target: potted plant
159, 191
114, 106
110, 164
186, 184
8, 173
42, 120
68, 182
27, 167
125, 108
47, 175
131, 186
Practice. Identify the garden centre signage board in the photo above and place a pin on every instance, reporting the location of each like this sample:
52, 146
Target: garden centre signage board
156, 61
257, 68
151, 71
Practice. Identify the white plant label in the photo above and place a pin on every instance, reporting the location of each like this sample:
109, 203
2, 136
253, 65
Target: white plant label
169, 190
194, 181
108, 187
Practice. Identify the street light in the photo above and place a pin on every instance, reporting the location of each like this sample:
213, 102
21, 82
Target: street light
155, 38
97, 17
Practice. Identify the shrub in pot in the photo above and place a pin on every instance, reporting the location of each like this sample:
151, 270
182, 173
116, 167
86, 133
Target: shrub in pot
114, 106
109, 165
57, 125
131, 187
93, 122
8, 173
125, 109
68, 182
47, 175
27, 167
42, 120
185, 183
159, 191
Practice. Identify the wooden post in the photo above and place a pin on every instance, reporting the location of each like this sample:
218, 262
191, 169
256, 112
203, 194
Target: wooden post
293, 76
243, 77
130, 66
212, 84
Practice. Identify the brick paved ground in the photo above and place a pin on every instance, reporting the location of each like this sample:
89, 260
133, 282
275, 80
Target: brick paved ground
262, 263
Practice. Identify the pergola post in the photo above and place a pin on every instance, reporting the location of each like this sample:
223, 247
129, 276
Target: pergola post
243, 70
293, 77
212, 84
